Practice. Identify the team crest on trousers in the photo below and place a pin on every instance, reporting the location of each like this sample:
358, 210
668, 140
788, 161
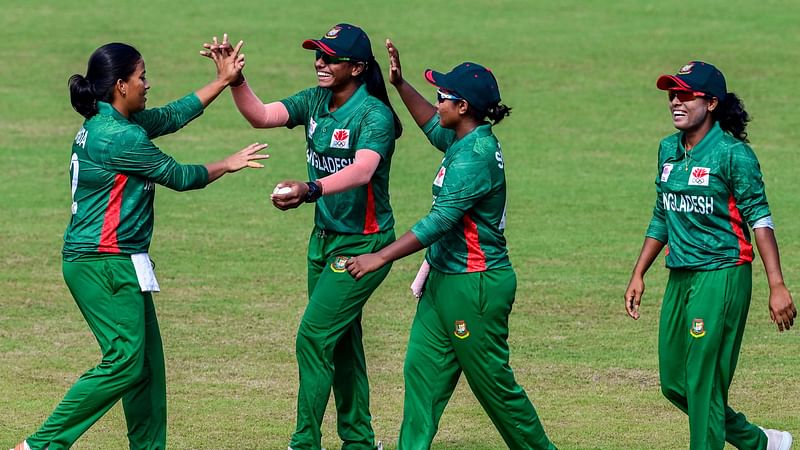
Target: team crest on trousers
461, 330
698, 328
338, 264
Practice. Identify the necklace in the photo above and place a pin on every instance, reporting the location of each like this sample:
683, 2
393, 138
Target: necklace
686, 158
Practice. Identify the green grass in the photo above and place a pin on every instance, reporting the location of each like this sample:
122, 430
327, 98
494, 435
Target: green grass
580, 159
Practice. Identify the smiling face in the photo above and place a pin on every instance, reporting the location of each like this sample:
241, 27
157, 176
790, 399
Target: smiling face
336, 72
690, 111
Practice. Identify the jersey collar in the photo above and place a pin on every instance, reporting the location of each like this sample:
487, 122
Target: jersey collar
709, 139
107, 110
351, 104
484, 129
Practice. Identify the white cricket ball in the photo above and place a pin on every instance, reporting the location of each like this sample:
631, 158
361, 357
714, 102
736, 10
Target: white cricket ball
282, 190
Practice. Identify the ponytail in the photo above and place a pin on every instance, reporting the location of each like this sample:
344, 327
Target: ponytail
107, 64
495, 113
732, 116
82, 96
376, 87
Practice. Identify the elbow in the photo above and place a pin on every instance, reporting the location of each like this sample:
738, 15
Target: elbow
362, 179
256, 122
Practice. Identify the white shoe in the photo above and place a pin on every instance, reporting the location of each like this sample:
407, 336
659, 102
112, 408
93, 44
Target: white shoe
379, 446
777, 439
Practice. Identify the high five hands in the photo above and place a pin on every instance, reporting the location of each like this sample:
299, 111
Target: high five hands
228, 60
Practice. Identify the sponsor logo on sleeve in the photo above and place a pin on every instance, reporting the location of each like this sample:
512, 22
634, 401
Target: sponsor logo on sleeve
699, 176
439, 177
340, 138
312, 126
665, 171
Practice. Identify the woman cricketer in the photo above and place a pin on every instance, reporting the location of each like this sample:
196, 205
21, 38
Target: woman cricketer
709, 190
113, 170
350, 132
461, 323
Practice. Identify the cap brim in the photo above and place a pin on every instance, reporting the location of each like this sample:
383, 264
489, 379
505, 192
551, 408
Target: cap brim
667, 82
435, 78
313, 44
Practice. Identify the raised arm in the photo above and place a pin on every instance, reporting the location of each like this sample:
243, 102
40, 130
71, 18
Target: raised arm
259, 115
229, 67
421, 110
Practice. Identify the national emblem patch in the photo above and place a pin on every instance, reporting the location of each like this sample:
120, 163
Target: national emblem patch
461, 330
338, 264
698, 328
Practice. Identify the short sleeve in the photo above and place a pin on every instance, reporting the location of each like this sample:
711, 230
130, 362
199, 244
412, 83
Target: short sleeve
441, 138
747, 184
298, 106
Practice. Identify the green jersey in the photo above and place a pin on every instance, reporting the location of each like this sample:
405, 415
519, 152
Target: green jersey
113, 170
464, 229
705, 200
332, 139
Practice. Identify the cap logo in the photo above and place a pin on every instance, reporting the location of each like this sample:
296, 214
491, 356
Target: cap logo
333, 32
686, 70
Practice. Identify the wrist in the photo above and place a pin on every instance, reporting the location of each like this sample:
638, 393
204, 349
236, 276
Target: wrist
777, 284
238, 81
314, 191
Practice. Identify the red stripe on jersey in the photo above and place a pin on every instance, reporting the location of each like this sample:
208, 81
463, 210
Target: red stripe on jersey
108, 236
370, 219
476, 259
745, 248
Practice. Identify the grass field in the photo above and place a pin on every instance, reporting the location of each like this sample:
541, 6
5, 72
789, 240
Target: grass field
580, 152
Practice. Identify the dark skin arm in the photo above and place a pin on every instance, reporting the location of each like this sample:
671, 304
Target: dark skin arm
358, 266
633, 294
421, 110
782, 310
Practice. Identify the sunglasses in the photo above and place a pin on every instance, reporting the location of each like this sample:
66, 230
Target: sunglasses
442, 96
684, 96
328, 59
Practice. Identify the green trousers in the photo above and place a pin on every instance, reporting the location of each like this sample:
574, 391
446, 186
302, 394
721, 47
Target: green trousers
700, 333
329, 350
123, 320
462, 325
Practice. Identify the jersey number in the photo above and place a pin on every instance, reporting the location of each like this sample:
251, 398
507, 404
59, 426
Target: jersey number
73, 167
